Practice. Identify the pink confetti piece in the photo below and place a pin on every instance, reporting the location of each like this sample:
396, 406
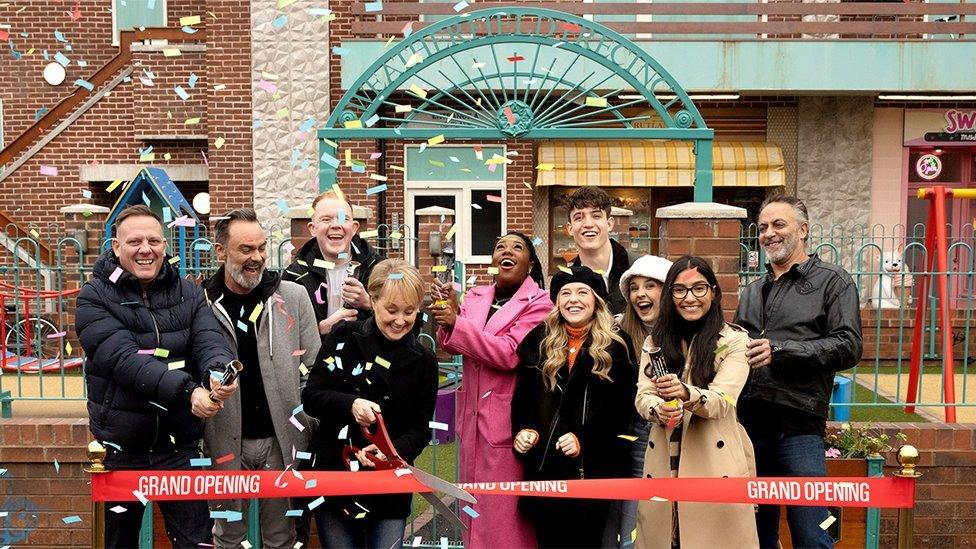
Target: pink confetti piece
510, 116
294, 421
224, 459
49, 170
146, 352
318, 293
493, 198
268, 86
374, 156
57, 335
114, 277
298, 352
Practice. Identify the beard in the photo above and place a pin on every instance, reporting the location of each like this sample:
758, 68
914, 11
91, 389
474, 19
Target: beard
785, 250
244, 279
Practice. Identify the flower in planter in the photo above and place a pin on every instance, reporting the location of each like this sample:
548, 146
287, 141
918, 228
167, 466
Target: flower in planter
852, 441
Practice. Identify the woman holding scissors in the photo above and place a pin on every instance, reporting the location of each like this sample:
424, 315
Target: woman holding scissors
364, 367
693, 367
487, 330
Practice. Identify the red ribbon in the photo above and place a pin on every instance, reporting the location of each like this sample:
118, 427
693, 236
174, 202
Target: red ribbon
886, 492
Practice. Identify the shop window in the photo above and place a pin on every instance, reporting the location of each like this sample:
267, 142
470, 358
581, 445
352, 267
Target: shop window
132, 14
455, 177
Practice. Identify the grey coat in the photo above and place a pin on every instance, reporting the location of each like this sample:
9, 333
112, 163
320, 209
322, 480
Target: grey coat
287, 324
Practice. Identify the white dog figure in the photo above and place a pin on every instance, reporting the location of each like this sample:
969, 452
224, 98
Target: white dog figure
894, 284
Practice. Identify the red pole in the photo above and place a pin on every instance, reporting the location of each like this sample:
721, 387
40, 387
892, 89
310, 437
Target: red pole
945, 319
921, 306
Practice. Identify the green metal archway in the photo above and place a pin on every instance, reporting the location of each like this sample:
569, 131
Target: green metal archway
530, 73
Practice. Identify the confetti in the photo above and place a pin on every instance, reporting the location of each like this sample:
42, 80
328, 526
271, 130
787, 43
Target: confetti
200, 462
596, 101
159, 352
403, 108
177, 365
298, 425
246, 544
629, 438
375, 190
118, 509
418, 91
382, 362
414, 59
373, 7
224, 459
471, 512
181, 93
316, 502
353, 124
172, 52
84, 84
57, 466
460, 6
189, 20
492, 270
49, 170
114, 277
256, 313
71, 520
545, 167
416, 541
437, 425
139, 496
828, 521
515, 58
294, 513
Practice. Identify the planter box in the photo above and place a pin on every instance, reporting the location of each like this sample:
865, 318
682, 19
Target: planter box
850, 529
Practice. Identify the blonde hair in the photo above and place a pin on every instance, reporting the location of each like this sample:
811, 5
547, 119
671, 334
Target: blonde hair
396, 275
332, 194
554, 346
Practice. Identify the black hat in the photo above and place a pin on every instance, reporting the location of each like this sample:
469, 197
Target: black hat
581, 274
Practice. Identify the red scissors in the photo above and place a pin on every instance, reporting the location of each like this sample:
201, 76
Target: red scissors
392, 460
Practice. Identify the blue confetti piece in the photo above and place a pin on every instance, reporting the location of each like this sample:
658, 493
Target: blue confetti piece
395, 276
298, 409
229, 516
306, 163
536, 241
357, 370
340, 51
58, 36
294, 513
471, 512
202, 246
305, 455
147, 150
307, 125
46, 56
71, 520
242, 326
316, 502
256, 124
57, 466
294, 157
112, 444
343, 255
373, 7
319, 12
338, 362
150, 4
342, 217
282, 205
372, 120
359, 169
340, 345
189, 30
193, 80
280, 21
61, 58
200, 462
377, 189
84, 84
40, 113
181, 93
167, 214
330, 160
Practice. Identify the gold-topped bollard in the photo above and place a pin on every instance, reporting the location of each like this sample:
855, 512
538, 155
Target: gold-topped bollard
96, 457
908, 458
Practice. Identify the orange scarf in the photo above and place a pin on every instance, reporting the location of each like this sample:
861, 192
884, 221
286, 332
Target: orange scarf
576, 338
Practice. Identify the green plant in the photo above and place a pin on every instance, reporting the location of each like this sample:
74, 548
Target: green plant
858, 442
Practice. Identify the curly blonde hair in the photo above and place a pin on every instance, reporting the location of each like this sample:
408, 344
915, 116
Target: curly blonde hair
554, 346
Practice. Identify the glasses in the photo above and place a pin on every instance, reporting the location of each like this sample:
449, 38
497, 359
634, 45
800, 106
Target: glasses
698, 290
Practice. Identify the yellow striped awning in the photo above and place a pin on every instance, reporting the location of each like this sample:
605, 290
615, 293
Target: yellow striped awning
658, 164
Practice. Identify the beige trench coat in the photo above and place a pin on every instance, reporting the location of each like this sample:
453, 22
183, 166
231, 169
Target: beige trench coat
713, 444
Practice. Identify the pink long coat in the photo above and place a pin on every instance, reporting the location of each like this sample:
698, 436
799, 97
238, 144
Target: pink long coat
484, 405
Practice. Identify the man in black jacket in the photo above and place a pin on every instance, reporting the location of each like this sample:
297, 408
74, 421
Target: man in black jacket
151, 343
805, 321
590, 224
322, 264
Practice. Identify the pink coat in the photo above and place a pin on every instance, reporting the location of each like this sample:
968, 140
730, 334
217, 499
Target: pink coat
484, 405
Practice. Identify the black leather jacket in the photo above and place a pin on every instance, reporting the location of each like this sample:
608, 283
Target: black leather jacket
811, 317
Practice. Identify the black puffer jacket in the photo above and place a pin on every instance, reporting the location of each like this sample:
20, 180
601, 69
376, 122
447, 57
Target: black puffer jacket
135, 400
812, 320
304, 271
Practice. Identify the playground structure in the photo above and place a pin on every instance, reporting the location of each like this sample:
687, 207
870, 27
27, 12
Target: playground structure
32, 344
937, 265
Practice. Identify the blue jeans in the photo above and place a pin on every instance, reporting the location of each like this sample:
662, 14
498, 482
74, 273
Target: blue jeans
336, 531
187, 523
622, 518
795, 456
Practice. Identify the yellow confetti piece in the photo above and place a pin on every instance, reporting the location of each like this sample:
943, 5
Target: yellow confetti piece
176, 365
382, 362
388, 42
396, 235
246, 544
212, 14
492, 270
191, 121
303, 368
450, 232
189, 20
167, 156
378, 177
348, 157
67, 348
160, 352
437, 139
34, 233
172, 52
565, 269
220, 87
827, 522
174, 260
545, 167
403, 108
629, 438
114, 185
219, 142
438, 269
596, 102
323, 264
369, 366
353, 124
496, 160
418, 91
147, 157
330, 143
414, 59
397, 168
282, 112
285, 3
255, 313
729, 399
30, 51
369, 234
